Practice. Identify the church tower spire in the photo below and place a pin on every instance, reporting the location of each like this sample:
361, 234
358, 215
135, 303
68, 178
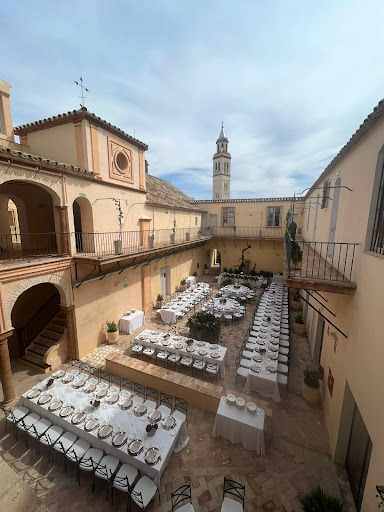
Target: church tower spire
221, 168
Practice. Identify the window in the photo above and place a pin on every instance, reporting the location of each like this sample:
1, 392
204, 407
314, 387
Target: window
326, 189
225, 186
218, 166
227, 216
377, 241
196, 220
273, 216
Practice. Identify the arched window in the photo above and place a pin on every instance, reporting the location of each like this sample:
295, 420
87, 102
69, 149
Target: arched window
219, 167
222, 147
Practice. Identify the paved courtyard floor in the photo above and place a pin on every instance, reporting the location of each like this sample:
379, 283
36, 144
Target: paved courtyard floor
297, 451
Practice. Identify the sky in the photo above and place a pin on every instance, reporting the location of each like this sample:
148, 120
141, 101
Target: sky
292, 80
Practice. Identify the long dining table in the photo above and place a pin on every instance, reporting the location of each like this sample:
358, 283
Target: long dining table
210, 353
120, 420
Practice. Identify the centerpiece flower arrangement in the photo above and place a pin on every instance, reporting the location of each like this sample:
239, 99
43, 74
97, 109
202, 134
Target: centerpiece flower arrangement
95, 403
189, 342
151, 428
50, 383
223, 301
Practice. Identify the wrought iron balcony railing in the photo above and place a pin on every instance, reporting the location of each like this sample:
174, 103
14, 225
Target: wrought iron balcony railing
272, 233
24, 246
320, 260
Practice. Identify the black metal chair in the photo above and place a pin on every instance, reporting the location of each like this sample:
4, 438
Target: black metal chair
180, 411
105, 376
138, 389
160, 327
166, 402
115, 380
234, 489
152, 394
172, 329
94, 372
183, 331
144, 491
182, 494
126, 384
76, 364
86, 368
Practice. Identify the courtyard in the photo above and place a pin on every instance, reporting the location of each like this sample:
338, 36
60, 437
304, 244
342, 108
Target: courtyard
296, 447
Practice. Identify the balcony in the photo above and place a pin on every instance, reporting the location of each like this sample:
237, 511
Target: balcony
115, 245
266, 233
28, 246
324, 266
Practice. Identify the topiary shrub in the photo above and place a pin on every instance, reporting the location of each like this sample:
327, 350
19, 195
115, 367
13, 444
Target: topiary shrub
317, 500
204, 326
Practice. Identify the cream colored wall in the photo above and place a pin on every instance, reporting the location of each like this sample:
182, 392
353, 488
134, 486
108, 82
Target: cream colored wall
181, 265
56, 143
101, 300
248, 214
104, 158
267, 254
357, 359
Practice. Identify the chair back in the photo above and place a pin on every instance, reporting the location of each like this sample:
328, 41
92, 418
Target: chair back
166, 400
181, 405
138, 497
234, 489
76, 364
181, 494
59, 443
86, 368
126, 384
115, 379
151, 393
94, 372
122, 483
105, 376
102, 472
139, 389
87, 464
160, 327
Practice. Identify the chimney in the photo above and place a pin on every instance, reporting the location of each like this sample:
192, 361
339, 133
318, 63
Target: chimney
146, 167
6, 126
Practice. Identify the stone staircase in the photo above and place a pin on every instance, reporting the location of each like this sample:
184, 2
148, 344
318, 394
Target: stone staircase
36, 353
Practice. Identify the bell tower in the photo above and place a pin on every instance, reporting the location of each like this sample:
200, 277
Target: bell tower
221, 168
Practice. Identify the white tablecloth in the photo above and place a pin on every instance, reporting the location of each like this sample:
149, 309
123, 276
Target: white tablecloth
131, 322
116, 417
191, 281
230, 306
240, 426
265, 382
185, 300
235, 291
150, 338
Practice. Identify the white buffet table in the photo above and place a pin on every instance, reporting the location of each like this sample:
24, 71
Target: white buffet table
129, 323
123, 420
191, 281
240, 426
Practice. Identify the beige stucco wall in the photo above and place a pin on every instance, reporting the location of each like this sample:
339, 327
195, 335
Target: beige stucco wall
56, 143
357, 359
101, 300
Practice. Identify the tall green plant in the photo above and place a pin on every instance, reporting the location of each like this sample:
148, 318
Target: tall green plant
317, 500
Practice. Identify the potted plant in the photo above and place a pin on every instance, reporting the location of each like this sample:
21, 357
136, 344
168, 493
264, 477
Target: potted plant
112, 332
199, 234
310, 386
295, 303
187, 236
183, 283
151, 241
299, 325
318, 499
206, 270
195, 274
159, 300
204, 326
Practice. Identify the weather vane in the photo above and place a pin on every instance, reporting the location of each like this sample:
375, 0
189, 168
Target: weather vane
82, 91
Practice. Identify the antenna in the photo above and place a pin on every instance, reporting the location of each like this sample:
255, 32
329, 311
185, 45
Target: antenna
82, 91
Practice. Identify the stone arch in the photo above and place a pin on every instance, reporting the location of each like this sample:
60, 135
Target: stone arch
61, 284
51, 184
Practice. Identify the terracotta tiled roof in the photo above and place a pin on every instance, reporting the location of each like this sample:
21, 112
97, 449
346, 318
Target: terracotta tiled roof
163, 193
374, 116
68, 116
9, 153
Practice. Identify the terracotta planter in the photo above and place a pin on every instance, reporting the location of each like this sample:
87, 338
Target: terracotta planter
159, 304
295, 304
299, 328
312, 395
113, 337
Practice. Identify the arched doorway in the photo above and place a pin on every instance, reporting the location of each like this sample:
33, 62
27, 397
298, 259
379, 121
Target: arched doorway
83, 223
27, 221
31, 314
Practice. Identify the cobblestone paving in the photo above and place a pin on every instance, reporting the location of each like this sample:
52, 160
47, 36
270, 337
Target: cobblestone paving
297, 452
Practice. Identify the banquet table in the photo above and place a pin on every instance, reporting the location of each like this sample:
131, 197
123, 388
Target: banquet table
235, 291
185, 300
129, 323
149, 338
238, 425
263, 379
123, 420
229, 307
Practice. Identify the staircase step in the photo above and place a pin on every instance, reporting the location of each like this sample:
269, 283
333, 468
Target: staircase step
44, 342
55, 327
61, 314
35, 362
35, 349
53, 335
59, 321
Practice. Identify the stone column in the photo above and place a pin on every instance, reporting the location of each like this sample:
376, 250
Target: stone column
5, 368
70, 321
63, 230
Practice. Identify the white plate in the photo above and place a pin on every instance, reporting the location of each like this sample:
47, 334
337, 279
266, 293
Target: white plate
173, 432
240, 402
132, 436
231, 399
251, 407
